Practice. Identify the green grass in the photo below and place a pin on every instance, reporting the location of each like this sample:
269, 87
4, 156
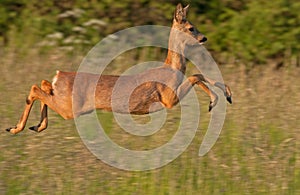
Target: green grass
256, 153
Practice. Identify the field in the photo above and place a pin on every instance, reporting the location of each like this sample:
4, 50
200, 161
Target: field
256, 153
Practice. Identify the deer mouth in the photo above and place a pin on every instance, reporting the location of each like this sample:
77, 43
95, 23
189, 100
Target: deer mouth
203, 40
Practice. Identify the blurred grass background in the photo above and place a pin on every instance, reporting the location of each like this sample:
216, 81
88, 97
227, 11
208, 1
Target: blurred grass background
256, 44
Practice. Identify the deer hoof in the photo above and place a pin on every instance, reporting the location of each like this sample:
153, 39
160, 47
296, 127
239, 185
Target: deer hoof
213, 102
34, 128
8, 129
212, 105
209, 108
229, 99
37, 128
12, 130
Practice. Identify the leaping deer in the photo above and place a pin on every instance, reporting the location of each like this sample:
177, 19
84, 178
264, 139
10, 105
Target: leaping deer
166, 93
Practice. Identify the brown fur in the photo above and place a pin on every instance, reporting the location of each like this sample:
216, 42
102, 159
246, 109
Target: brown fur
157, 88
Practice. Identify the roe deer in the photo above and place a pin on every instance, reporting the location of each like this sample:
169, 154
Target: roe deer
166, 93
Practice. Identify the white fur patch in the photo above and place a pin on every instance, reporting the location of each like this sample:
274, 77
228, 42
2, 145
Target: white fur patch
54, 80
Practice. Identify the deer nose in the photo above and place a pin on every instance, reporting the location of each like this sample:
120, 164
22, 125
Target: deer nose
203, 40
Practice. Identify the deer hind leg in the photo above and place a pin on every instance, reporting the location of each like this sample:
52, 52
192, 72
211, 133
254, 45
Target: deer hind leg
35, 93
46, 86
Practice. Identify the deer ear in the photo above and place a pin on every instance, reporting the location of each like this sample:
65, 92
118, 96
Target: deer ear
186, 9
180, 13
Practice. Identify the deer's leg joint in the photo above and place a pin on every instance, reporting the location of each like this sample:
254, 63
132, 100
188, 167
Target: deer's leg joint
28, 101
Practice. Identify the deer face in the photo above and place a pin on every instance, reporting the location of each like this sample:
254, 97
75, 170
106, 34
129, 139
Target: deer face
186, 28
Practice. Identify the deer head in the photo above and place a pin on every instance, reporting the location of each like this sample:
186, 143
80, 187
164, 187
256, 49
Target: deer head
181, 24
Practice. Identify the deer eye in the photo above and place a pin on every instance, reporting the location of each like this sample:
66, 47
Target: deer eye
191, 29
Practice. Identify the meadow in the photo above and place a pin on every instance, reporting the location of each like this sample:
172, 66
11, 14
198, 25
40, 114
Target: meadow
256, 44
257, 151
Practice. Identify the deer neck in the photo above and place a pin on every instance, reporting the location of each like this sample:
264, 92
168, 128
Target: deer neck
175, 57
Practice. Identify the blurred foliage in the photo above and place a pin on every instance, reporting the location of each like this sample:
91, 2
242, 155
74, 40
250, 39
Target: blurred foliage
249, 31
9, 14
260, 31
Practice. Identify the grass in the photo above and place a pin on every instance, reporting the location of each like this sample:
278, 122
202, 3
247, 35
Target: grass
256, 153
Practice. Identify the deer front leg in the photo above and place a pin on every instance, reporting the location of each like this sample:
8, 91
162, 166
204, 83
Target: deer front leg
213, 96
169, 100
222, 86
46, 86
199, 79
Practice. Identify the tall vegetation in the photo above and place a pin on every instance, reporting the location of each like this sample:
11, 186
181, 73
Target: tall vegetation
249, 31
